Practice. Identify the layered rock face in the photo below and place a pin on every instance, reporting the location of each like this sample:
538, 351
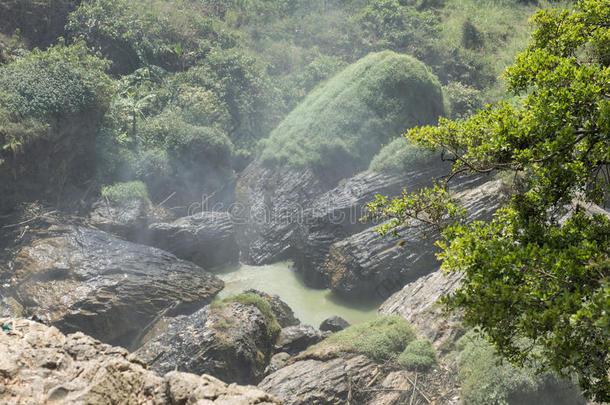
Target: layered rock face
233, 341
40, 365
326, 378
365, 264
206, 238
81, 279
418, 303
336, 215
269, 204
295, 214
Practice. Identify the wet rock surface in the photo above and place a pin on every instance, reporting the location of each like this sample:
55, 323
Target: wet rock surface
233, 342
127, 219
40, 365
82, 279
368, 265
334, 324
206, 238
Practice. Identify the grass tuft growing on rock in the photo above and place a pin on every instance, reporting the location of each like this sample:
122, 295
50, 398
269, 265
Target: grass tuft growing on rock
126, 192
381, 339
419, 355
273, 326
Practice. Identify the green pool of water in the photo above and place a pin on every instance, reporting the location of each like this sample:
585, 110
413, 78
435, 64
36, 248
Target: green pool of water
311, 306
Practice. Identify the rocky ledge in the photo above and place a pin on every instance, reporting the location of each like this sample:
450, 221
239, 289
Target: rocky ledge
82, 279
41, 365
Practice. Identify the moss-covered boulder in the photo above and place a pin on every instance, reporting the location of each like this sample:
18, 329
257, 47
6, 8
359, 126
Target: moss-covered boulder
340, 126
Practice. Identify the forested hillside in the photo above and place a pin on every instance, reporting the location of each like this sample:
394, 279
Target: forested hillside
157, 91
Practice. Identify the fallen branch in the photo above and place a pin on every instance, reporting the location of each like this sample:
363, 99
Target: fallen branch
29, 220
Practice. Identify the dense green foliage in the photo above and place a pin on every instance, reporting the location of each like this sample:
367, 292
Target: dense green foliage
343, 122
419, 355
540, 270
125, 192
381, 339
226, 73
486, 381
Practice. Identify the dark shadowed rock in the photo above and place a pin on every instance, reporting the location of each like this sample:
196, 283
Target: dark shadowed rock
368, 265
269, 205
206, 238
127, 219
295, 214
81, 279
334, 324
232, 341
336, 215
39, 365
295, 339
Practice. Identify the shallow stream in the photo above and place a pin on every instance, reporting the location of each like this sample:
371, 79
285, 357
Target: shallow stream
311, 306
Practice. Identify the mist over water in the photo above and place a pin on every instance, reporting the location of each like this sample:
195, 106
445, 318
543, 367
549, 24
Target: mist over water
310, 305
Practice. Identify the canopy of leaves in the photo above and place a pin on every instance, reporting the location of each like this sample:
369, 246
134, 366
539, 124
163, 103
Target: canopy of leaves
42, 87
541, 269
344, 122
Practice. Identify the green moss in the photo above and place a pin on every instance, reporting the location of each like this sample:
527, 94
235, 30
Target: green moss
400, 156
273, 326
380, 339
344, 122
419, 355
125, 192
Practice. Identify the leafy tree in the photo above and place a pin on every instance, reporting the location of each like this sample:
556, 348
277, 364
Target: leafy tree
540, 271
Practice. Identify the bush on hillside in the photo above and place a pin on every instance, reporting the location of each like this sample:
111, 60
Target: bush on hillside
125, 192
401, 156
39, 22
381, 339
485, 380
342, 124
134, 34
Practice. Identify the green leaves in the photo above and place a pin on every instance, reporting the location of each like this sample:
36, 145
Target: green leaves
540, 270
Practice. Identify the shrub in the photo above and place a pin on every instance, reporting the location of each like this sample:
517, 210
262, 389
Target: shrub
419, 355
401, 156
125, 192
344, 122
485, 380
463, 100
380, 339
273, 326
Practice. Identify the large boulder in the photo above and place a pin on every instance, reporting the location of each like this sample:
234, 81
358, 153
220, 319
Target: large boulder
295, 339
82, 279
127, 219
269, 206
231, 339
368, 265
337, 213
334, 324
206, 238
40, 365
